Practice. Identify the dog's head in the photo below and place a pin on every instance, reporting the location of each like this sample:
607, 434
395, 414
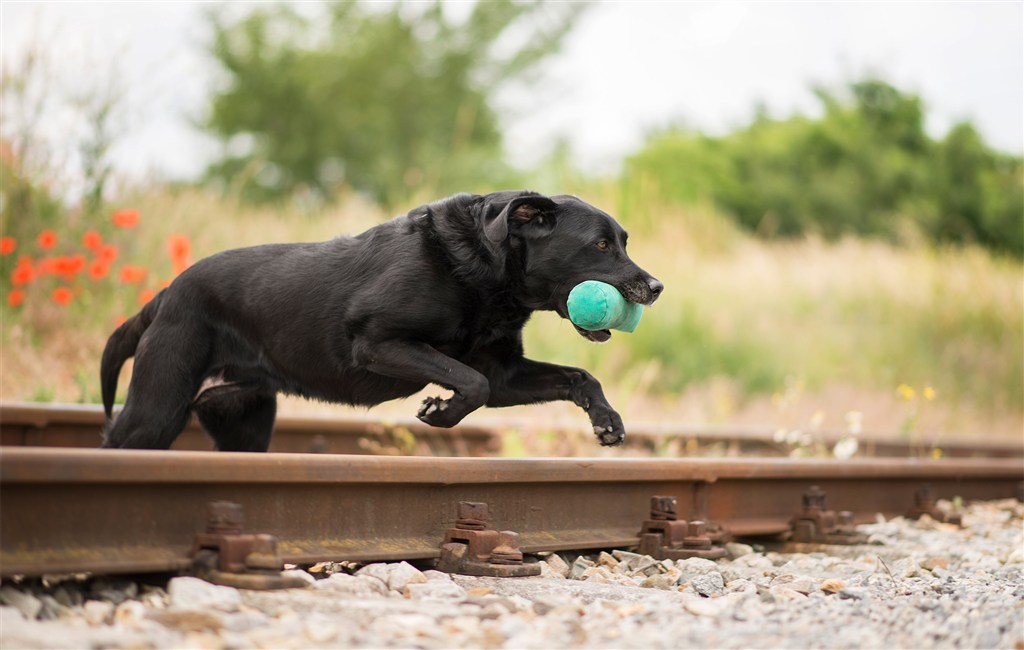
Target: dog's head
562, 241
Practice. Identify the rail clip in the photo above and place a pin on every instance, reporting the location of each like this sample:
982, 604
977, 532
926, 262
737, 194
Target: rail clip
472, 549
816, 525
224, 555
924, 504
664, 537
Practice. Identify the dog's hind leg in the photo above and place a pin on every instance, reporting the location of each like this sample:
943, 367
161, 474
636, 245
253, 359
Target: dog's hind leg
238, 418
169, 364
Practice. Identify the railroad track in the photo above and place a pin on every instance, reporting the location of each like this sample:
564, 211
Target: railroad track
242, 516
76, 425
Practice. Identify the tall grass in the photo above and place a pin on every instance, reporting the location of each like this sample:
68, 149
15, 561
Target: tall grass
740, 318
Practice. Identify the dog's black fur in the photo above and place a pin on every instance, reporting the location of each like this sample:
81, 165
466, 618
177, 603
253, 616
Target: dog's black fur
438, 296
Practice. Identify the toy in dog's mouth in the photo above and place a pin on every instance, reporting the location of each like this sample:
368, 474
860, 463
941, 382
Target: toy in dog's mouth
596, 307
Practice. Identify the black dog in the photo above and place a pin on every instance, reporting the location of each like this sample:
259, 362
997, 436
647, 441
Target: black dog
438, 296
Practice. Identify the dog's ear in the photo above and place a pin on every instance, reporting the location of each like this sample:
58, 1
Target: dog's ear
526, 214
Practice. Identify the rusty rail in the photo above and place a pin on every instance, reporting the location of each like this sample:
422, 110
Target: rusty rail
73, 510
77, 425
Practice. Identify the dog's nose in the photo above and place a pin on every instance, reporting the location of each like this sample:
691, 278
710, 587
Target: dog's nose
656, 288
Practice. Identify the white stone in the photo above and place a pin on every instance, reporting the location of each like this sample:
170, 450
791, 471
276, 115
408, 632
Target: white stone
437, 576
358, 585
734, 550
300, 574
98, 612
557, 565
378, 570
193, 593
129, 612
402, 574
696, 565
434, 591
706, 606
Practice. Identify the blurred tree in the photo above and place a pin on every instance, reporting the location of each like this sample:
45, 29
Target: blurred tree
384, 100
866, 166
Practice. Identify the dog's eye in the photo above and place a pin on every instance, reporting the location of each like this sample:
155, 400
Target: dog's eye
602, 245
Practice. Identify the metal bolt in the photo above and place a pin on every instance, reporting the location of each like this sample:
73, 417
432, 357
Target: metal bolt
472, 515
224, 518
507, 551
697, 535
264, 554
813, 499
923, 498
663, 508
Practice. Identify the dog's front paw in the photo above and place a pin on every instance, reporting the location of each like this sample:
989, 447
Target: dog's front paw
609, 429
435, 412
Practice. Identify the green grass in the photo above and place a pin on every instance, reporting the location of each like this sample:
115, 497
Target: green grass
736, 311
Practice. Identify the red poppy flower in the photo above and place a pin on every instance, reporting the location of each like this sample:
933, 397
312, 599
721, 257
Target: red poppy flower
107, 253
179, 246
49, 266
69, 266
98, 269
92, 240
131, 274
62, 296
125, 218
22, 274
46, 239
15, 298
7, 245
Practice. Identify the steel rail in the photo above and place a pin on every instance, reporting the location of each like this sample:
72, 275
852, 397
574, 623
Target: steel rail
73, 510
77, 425
80, 425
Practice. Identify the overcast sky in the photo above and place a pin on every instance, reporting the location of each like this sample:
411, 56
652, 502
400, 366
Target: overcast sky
627, 67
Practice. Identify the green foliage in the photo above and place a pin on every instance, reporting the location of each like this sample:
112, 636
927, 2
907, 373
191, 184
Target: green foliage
866, 166
386, 101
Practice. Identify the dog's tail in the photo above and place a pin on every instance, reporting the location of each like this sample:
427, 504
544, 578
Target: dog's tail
121, 346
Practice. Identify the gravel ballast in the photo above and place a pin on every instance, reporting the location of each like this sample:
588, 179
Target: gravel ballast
916, 584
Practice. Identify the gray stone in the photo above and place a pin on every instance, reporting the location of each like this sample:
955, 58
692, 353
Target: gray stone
708, 584
115, 590
853, 593
579, 565
68, 595
24, 602
630, 559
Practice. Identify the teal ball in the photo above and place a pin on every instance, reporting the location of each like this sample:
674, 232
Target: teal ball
595, 305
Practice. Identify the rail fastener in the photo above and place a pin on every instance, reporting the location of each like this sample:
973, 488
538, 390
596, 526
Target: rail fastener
815, 524
925, 504
224, 555
470, 548
665, 537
